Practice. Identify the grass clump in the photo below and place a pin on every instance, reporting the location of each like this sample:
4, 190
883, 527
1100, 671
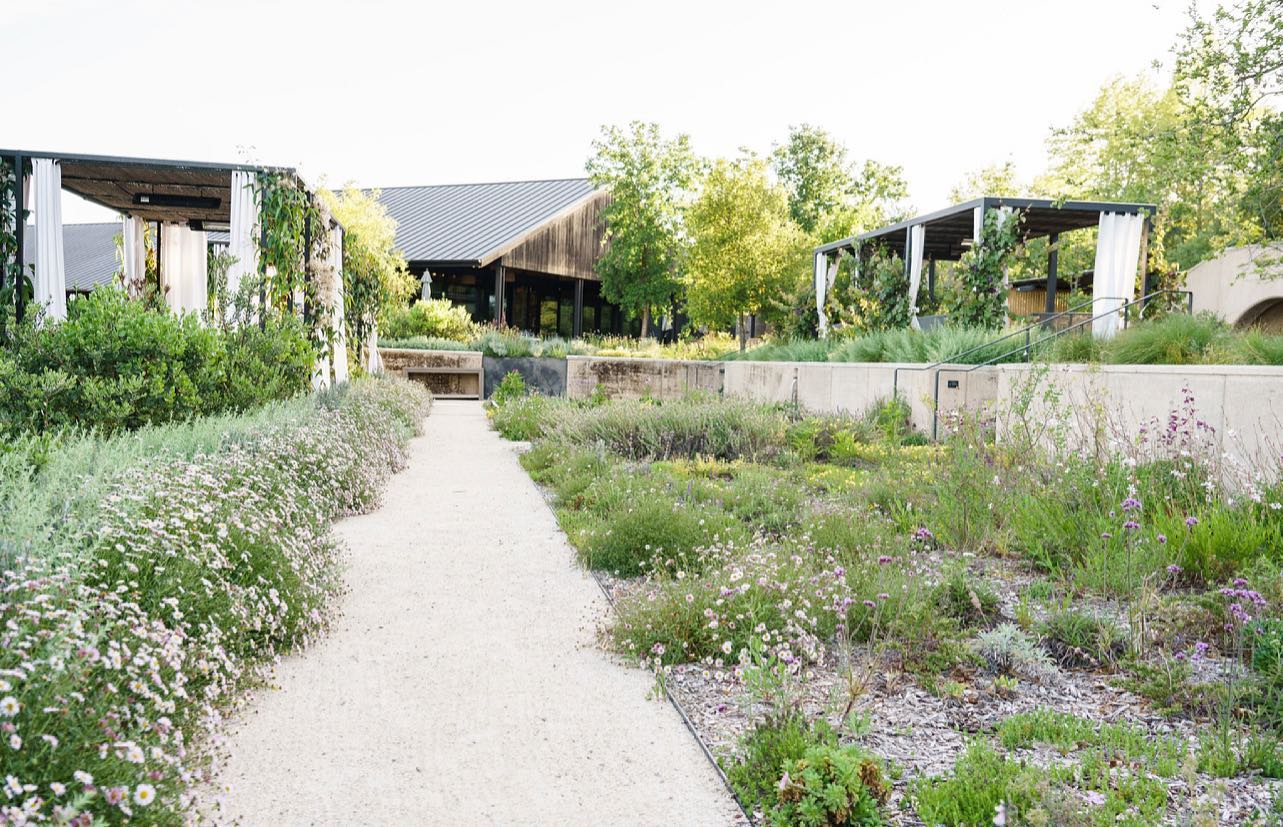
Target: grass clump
656, 531
1079, 640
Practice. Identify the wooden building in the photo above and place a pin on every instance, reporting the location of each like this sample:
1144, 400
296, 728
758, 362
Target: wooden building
522, 254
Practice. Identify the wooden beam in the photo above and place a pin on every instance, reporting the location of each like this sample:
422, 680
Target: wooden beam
499, 320
578, 327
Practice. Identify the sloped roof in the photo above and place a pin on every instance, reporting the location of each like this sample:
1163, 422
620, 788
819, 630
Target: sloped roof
473, 224
88, 253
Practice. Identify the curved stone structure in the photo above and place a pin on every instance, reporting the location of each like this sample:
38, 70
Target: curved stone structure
1243, 285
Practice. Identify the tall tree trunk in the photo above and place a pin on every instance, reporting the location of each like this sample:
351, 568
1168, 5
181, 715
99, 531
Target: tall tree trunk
743, 334
645, 331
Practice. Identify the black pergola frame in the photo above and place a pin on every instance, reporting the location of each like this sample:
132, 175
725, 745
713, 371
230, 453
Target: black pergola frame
192, 215
948, 232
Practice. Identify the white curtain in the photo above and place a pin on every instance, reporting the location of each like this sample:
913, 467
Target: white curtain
135, 254
917, 237
340, 326
821, 288
244, 230
184, 268
50, 286
374, 362
1117, 261
977, 225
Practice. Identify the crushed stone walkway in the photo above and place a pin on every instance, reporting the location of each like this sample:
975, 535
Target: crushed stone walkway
463, 684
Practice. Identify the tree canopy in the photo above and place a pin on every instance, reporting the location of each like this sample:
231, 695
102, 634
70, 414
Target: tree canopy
649, 178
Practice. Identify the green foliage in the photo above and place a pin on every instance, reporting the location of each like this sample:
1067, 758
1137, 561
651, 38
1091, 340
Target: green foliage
511, 387
1081, 640
967, 601
1161, 755
653, 528
773, 744
1177, 339
830, 786
375, 276
432, 318
116, 364
1009, 651
746, 251
982, 779
648, 178
979, 297
522, 418
882, 297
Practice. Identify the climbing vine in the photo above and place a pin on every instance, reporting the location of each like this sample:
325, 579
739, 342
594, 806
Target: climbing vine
292, 218
14, 282
980, 297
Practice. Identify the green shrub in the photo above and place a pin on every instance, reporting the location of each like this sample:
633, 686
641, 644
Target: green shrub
512, 386
830, 786
116, 364
768, 748
654, 527
431, 318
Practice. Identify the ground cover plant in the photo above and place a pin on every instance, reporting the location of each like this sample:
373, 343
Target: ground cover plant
1014, 631
138, 605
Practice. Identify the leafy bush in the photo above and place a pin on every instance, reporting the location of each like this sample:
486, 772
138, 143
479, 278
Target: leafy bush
430, 318
121, 643
523, 418
116, 364
768, 748
830, 786
512, 386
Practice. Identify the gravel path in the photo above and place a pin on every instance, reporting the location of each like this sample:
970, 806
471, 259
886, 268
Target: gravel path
462, 684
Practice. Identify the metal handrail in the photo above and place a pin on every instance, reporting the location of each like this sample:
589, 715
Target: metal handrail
1124, 307
895, 374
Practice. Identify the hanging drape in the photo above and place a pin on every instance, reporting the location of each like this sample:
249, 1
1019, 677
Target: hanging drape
50, 287
373, 361
184, 268
977, 224
917, 237
244, 231
135, 255
336, 316
821, 289
1114, 278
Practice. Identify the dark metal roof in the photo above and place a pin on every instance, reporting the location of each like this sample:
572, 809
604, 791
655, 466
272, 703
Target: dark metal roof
88, 254
473, 224
949, 231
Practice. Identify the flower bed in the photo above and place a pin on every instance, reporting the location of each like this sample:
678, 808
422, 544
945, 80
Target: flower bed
1023, 631
127, 637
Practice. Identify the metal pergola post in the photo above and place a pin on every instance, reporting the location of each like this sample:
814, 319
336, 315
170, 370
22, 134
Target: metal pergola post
20, 229
579, 308
1053, 262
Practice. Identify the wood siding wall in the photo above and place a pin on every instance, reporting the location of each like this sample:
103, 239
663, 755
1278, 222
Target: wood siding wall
1028, 302
568, 246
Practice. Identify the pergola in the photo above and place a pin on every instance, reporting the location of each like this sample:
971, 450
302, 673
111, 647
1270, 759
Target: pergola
183, 199
946, 234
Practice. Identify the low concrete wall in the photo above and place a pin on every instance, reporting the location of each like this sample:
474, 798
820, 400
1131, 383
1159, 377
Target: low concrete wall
447, 373
542, 375
1105, 405
626, 378
854, 387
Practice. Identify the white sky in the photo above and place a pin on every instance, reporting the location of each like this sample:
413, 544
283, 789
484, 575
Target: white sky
384, 93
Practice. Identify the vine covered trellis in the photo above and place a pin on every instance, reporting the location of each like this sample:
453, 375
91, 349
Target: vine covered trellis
980, 295
15, 284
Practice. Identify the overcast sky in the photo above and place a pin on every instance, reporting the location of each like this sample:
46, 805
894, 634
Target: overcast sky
384, 93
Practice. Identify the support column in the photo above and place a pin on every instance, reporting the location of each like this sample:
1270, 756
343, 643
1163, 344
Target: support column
931, 279
1053, 262
20, 226
499, 277
579, 308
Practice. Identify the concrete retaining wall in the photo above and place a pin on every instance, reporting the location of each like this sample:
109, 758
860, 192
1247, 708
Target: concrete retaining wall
1105, 405
854, 387
625, 378
447, 373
